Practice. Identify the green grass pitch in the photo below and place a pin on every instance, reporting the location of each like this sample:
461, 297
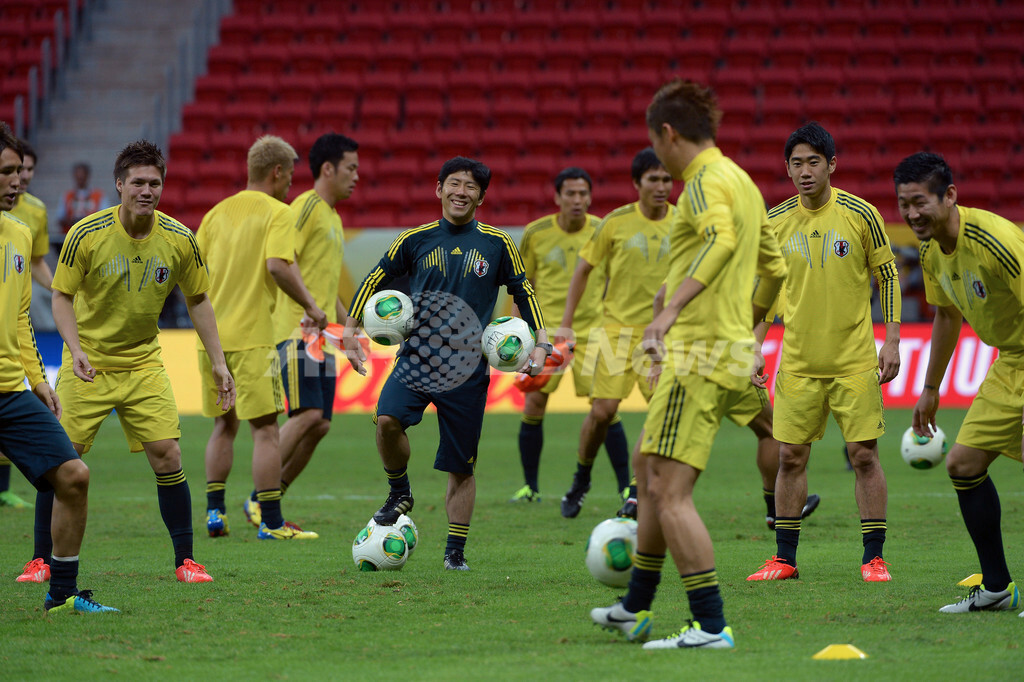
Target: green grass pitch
301, 611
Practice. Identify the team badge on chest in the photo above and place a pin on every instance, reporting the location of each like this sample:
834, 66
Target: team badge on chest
842, 247
979, 289
19, 263
480, 267
161, 274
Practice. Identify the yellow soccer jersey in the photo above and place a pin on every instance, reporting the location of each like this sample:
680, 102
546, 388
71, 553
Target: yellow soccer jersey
722, 239
982, 278
32, 212
320, 254
636, 251
19, 357
830, 254
119, 285
237, 236
549, 254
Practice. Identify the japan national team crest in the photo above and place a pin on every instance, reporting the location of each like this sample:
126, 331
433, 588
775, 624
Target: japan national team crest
161, 274
842, 247
979, 289
19, 263
480, 267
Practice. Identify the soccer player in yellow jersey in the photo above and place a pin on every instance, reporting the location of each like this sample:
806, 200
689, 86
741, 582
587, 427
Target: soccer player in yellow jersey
31, 211
550, 250
721, 250
115, 270
832, 242
632, 244
249, 241
29, 431
972, 265
319, 253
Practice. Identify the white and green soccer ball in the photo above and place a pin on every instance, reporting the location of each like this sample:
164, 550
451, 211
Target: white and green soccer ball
380, 548
507, 343
922, 452
610, 551
388, 317
408, 529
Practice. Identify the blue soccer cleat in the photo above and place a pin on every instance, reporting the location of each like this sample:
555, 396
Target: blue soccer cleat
76, 603
216, 523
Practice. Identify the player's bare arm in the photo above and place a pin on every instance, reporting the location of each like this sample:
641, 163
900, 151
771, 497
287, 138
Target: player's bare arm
48, 396
889, 353
350, 343
289, 278
654, 334
201, 311
945, 334
757, 375
67, 325
577, 286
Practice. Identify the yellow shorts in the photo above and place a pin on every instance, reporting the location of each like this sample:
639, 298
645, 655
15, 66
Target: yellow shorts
620, 364
802, 405
684, 416
993, 422
582, 379
258, 387
143, 399
750, 403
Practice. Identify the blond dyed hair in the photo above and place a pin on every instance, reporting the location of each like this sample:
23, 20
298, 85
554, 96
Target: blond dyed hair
266, 153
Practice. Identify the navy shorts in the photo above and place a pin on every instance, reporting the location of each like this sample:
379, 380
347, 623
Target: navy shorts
460, 417
32, 438
307, 383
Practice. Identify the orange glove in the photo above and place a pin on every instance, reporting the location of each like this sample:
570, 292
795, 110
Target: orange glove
556, 363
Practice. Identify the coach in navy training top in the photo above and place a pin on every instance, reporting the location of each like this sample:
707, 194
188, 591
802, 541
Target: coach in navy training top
455, 266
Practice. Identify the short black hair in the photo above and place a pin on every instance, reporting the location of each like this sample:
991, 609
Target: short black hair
139, 153
28, 150
329, 147
644, 161
481, 173
814, 135
926, 168
572, 173
8, 140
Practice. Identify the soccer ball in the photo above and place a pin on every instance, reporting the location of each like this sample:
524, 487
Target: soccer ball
379, 548
407, 528
610, 551
507, 343
923, 452
388, 317
409, 531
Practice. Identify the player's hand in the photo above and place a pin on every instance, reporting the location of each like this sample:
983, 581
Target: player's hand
888, 361
225, 387
924, 413
536, 364
82, 367
353, 350
654, 373
315, 319
654, 335
757, 375
49, 397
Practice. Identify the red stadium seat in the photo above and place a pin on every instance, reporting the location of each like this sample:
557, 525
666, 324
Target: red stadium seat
754, 23
202, 115
708, 20
514, 113
379, 113
523, 57
592, 82
287, 117
494, 27
217, 88
821, 83
408, 28
608, 54
255, 88
344, 85
227, 59
729, 83
886, 20
780, 82
563, 112
309, 58
300, 88
962, 108
865, 82
548, 139
188, 147
335, 112
535, 26
583, 27
239, 29
320, 28
744, 54
424, 110
471, 114
876, 51
267, 58
665, 22
394, 57
619, 25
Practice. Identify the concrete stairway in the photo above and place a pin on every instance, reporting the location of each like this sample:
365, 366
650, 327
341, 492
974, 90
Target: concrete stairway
109, 94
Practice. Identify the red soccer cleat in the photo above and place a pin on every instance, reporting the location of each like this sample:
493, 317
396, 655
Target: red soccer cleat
774, 569
35, 571
191, 572
875, 571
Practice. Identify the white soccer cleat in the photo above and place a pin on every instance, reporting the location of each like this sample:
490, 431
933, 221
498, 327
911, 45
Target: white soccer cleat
692, 637
636, 626
980, 599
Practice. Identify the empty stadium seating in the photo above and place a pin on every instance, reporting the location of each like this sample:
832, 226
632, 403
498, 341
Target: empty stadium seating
532, 87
